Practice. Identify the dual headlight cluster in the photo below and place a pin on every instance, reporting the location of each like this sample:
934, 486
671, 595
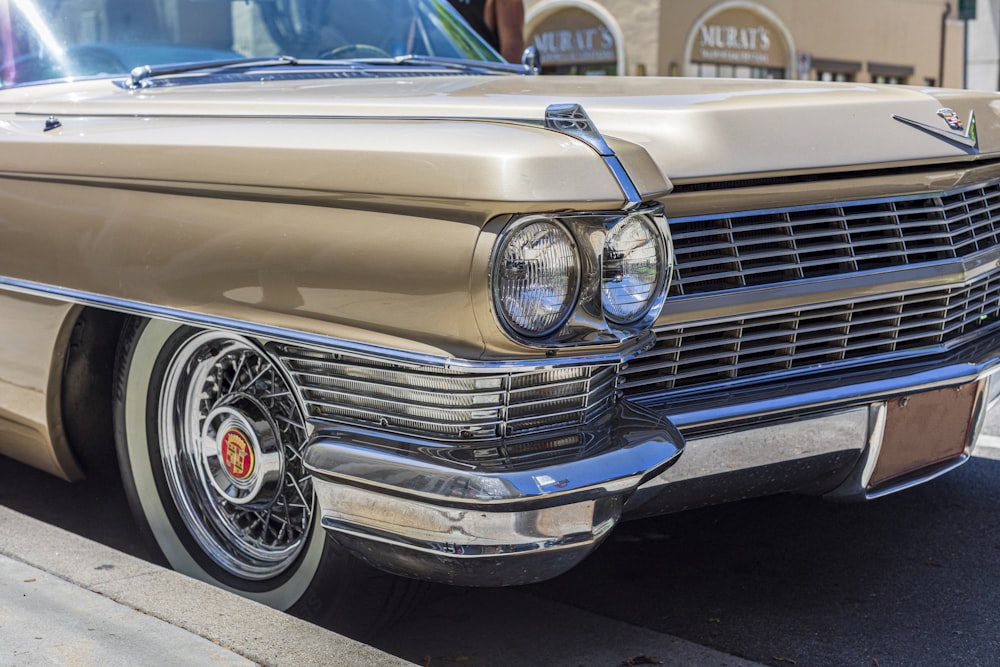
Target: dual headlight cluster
576, 278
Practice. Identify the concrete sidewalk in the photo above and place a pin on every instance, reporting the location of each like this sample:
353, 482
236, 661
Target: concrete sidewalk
65, 600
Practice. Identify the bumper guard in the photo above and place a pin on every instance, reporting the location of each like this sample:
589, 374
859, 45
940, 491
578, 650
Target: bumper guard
491, 515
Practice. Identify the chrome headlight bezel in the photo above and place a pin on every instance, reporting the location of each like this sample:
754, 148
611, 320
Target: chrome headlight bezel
587, 322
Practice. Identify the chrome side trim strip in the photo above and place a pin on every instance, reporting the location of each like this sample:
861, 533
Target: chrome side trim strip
320, 341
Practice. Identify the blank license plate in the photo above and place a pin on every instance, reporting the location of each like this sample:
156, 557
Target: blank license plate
925, 429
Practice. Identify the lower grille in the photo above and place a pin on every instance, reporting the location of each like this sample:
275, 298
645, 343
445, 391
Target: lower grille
720, 352
431, 402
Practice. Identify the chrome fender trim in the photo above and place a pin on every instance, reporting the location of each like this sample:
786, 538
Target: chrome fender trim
622, 352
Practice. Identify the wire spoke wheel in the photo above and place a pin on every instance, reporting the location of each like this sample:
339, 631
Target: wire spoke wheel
231, 438
210, 436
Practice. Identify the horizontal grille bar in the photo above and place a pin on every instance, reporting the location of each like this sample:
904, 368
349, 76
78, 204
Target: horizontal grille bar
720, 352
752, 248
449, 405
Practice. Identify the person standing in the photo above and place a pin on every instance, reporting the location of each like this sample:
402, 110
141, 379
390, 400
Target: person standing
499, 22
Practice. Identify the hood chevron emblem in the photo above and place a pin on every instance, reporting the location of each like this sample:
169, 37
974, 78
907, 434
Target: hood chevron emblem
969, 141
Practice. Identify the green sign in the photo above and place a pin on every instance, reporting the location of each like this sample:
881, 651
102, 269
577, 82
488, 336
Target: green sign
967, 10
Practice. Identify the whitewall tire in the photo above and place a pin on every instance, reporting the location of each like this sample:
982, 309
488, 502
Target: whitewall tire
209, 435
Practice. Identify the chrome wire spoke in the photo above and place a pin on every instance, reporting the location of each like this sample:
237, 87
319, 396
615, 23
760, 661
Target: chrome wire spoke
253, 380
236, 373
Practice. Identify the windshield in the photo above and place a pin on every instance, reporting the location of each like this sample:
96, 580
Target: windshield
54, 39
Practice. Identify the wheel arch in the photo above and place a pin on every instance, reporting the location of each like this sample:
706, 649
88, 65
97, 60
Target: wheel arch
335, 588
85, 388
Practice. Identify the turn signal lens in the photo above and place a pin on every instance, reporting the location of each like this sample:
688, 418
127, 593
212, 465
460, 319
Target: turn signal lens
633, 268
536, 278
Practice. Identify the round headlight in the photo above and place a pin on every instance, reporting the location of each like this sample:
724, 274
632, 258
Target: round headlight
633, 269
536, 278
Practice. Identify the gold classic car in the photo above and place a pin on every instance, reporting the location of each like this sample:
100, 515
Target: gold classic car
337, 291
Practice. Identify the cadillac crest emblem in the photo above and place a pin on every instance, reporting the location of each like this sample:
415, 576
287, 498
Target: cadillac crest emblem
237, 454
950, 117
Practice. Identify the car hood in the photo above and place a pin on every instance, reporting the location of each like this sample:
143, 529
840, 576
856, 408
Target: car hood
692, 128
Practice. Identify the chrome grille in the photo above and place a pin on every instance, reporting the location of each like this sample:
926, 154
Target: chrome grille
721, 352
721, 252
430, 401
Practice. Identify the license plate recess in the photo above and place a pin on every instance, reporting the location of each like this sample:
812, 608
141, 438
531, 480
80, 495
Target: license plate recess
925, 429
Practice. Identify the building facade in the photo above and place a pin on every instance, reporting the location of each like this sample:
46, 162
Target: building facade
918, 42
982, 54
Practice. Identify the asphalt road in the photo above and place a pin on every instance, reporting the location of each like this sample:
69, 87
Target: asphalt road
908, 580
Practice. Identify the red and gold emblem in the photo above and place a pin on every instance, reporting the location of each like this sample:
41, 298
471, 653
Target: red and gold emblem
950, 117
237, 454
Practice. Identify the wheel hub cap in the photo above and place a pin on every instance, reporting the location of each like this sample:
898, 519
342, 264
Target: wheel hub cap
242, 453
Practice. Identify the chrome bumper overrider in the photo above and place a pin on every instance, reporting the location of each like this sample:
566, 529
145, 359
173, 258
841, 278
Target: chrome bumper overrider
484, 516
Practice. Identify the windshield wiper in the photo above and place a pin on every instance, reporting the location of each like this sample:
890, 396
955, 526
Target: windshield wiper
140, 75
464, 65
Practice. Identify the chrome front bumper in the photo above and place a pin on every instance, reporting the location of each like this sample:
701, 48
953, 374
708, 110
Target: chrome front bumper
486, 515
480, 516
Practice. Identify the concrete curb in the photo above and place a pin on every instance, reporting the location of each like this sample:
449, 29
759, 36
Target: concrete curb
240, 629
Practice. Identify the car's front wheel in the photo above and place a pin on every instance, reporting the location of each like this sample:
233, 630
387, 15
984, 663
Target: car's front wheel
209, 435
